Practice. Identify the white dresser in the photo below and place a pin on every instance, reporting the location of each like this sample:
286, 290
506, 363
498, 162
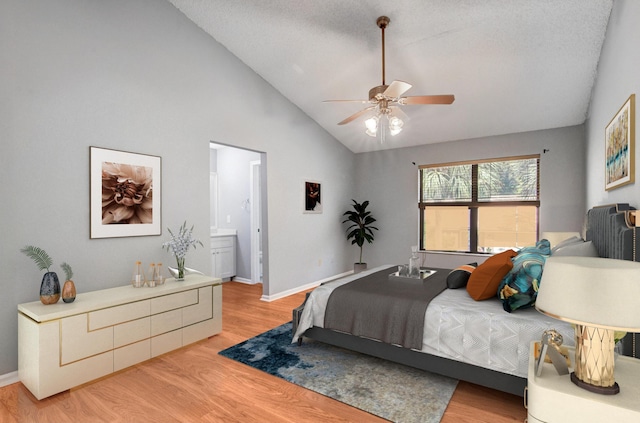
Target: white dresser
552, 398
67, 344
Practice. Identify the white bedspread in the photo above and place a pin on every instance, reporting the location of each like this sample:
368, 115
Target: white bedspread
457, 327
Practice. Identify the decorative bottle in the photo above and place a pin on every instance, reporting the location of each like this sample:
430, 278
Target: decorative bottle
158, 277
151, 275
414, 265
137, 279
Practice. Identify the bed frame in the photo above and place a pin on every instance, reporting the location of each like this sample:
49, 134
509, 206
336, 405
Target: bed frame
611, 228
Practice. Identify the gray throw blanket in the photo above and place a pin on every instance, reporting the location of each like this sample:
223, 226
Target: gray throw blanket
389, 311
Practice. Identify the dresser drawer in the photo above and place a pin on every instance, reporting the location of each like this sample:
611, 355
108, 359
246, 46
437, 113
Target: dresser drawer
222, 241
198, 331
174, 301
130, 332
77, 342
166, 322
131, 354
118, 314
78, 372
166, 342
200, 311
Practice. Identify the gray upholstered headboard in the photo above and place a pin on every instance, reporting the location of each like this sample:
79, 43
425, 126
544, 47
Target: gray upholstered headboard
612, 230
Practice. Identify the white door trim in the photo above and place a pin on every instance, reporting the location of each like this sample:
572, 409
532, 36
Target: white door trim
256, 236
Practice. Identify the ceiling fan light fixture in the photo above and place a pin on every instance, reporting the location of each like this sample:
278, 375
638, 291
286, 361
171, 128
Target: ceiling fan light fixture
372, 126
395, 125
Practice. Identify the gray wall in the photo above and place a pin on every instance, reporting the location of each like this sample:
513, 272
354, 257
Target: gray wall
389, 180
617, 80
138, 76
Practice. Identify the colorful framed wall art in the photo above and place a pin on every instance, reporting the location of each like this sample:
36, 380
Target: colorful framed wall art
619, 147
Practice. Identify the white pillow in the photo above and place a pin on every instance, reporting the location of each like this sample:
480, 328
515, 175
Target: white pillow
568, 241
579, 249
556, 237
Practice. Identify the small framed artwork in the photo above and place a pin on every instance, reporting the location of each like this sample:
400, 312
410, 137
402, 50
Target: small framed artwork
125, 193
312, 197
619, 147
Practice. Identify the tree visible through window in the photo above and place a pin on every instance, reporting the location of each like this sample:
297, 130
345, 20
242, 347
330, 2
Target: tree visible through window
480, 206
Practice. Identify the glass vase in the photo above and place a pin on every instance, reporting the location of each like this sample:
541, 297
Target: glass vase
180, 262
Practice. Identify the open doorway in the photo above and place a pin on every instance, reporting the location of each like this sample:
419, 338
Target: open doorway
237, 195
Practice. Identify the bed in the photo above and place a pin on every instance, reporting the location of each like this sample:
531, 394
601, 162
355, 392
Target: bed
475, 341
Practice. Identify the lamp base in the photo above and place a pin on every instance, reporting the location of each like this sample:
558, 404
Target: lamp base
603, 390
595, 360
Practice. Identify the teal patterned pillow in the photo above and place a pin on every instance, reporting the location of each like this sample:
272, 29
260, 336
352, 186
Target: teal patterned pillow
519, 288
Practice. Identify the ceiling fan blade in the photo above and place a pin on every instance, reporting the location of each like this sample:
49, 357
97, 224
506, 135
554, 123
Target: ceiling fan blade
356, 115
397, 111
428, 99
396, 89
345, 101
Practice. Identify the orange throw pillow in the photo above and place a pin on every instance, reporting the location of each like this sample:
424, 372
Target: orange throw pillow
485, 280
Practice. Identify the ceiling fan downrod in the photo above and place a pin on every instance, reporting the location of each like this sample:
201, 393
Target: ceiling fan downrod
382, 23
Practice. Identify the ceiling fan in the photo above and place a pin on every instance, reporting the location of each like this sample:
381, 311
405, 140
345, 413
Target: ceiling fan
386, 99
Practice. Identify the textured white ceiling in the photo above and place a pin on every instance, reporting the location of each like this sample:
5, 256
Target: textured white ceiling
513, 65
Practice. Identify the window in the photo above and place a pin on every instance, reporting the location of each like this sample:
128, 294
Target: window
480, 206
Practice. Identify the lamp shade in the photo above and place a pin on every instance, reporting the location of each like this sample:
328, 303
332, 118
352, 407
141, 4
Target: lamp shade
597, 292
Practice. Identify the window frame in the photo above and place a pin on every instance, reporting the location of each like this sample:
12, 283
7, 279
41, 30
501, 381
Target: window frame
475, 203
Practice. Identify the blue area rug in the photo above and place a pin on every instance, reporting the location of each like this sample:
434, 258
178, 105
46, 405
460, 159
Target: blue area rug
388, 390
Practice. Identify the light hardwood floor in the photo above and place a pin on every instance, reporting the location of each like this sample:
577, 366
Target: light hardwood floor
195, 384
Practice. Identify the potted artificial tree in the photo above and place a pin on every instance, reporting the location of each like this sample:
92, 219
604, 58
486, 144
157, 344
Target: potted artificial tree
360, 229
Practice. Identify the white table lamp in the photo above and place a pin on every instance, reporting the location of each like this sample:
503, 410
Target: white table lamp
600, 296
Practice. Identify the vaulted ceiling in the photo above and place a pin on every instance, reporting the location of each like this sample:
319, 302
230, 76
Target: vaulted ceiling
513, 65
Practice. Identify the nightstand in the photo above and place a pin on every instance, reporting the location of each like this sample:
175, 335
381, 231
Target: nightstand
551, 398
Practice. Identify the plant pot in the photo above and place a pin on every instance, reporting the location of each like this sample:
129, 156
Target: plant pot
359, 267
68, 291
50, 288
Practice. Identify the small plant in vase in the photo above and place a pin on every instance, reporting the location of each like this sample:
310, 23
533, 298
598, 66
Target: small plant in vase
179, 245
69, 288
50, 286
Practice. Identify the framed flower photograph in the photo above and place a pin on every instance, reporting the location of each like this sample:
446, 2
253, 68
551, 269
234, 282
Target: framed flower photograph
619, 147
312, 197
125, 193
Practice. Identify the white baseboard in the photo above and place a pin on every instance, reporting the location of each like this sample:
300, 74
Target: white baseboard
9, 379
311, 285
243, 280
